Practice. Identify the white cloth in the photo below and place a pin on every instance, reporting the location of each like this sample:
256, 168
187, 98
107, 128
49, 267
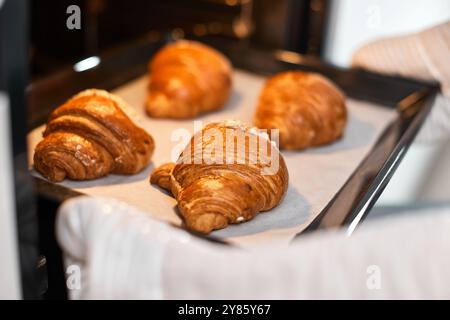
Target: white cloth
424, 56
124, 253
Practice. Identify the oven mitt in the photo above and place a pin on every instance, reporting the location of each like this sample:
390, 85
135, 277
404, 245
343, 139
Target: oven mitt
423, 56
114, 251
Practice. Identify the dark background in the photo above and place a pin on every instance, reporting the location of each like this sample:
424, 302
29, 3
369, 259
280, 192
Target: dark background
13, 81
295, 25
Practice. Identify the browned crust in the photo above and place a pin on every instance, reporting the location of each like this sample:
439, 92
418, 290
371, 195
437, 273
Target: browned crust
187, 78
212, 196
308, 109
90, 136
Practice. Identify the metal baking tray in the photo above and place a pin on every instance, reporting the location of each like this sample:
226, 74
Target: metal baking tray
412, 99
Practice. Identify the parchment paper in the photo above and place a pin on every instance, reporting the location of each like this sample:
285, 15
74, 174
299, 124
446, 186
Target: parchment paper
315, 175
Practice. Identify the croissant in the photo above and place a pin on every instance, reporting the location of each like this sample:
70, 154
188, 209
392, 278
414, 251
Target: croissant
187, 78
90, 136
224, 176
308, 109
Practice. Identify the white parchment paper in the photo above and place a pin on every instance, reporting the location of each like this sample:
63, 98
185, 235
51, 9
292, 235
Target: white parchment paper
315, 175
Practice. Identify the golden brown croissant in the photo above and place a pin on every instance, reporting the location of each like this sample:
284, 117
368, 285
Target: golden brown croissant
90, 136
223, 176
187, 78
308, 109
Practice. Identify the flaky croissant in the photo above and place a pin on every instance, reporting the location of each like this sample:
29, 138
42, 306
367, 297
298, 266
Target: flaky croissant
308, 109
90, 136
223, 176
187, 78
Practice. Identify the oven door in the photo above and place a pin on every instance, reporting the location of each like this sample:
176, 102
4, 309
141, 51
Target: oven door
18, 223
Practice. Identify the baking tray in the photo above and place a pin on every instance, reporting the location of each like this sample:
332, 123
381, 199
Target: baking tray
412, 100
